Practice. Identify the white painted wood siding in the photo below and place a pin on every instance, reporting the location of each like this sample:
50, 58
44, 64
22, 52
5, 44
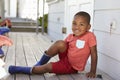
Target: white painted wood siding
107, 13
56, 20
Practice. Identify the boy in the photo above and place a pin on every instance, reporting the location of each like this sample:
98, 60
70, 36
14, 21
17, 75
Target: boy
73, 52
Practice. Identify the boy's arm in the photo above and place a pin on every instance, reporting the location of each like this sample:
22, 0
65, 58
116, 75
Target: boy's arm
92, 72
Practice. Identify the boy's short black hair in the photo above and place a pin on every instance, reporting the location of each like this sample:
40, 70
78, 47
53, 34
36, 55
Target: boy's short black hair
84, 14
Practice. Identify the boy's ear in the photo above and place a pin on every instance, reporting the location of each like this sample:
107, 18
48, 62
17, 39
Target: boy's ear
89, 26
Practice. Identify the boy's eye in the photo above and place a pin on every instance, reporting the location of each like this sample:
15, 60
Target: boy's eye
74, 23
81, 24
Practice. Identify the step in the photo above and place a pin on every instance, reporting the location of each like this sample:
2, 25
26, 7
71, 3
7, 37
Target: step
24, 29
23, 24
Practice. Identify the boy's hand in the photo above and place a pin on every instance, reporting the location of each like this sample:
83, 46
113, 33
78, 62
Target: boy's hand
91, 75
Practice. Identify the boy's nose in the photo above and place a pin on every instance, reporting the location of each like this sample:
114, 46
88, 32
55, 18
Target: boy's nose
76, 27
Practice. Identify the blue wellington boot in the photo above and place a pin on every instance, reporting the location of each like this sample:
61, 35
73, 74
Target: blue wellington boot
19, 69
45, 58
1, 53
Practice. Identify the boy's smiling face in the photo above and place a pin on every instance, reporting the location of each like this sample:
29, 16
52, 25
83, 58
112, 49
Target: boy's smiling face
80, 25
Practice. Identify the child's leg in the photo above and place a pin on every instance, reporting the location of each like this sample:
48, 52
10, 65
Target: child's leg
42, 69
30, 70
19, 69
57, 47
44, 59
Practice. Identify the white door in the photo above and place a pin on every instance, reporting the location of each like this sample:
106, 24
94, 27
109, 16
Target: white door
72, 7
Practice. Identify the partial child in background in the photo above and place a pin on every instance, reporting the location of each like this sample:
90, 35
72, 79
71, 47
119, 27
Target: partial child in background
5, 22
5, 26
4, 41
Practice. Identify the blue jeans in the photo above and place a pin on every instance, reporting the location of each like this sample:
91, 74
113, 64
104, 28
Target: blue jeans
4, 30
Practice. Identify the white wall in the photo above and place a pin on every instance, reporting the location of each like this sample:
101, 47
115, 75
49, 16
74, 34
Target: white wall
106, 28
28, 9
56, 20
13, 8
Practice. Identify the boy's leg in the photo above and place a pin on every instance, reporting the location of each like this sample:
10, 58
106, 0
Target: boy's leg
30, 70
19, 69
44, 59
42, 69
57, 47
